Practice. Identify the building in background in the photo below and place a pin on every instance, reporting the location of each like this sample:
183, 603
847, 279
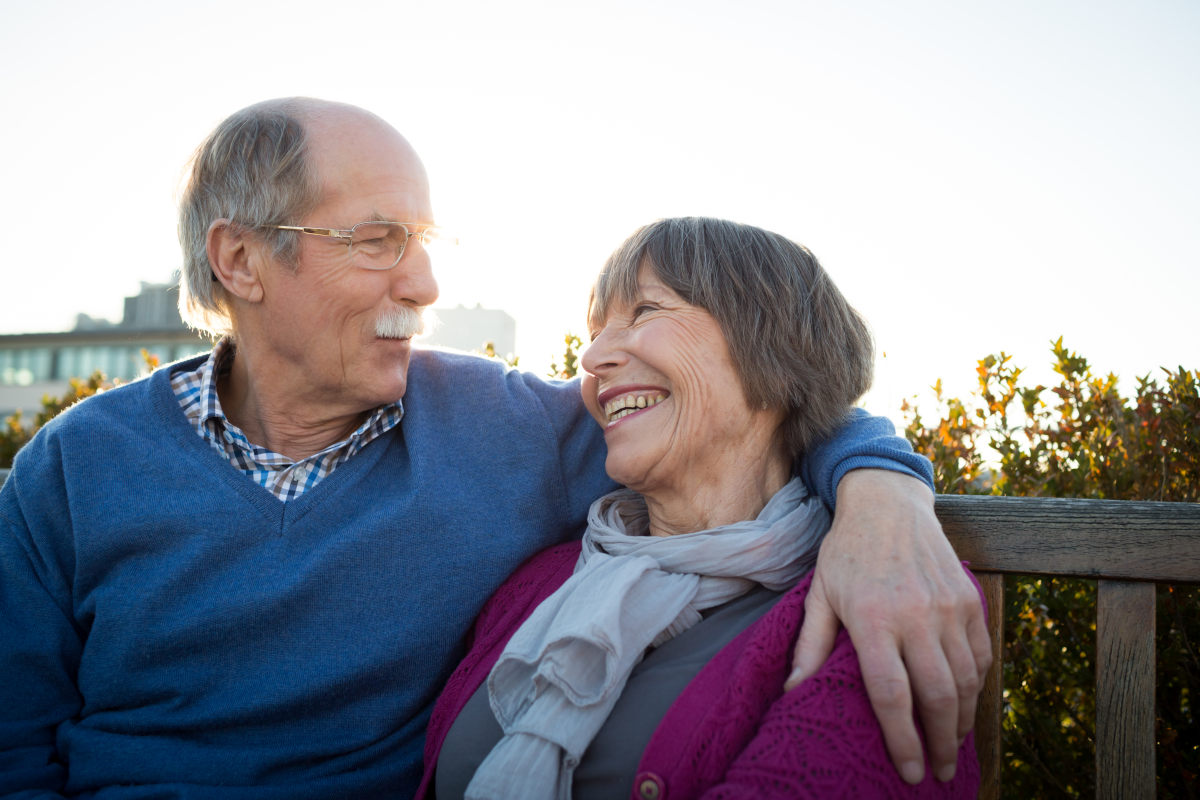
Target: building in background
36, 364
471, 329
33, 365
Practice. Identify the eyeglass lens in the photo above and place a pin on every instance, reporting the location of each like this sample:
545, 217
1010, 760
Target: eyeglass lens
378, 245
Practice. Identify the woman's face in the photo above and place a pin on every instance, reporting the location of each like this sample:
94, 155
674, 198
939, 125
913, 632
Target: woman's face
661, 382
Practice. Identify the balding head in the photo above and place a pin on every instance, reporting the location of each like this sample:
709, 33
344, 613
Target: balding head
268, 164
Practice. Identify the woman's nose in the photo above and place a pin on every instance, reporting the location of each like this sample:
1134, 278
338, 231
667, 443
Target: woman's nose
602, 353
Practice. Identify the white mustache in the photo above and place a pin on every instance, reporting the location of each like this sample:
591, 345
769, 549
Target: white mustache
403, 322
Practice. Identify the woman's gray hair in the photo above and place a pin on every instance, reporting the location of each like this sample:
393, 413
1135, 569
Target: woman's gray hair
253, 170
795, 341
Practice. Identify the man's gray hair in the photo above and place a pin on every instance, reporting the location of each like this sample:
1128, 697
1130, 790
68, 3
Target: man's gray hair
795, 341
253, 170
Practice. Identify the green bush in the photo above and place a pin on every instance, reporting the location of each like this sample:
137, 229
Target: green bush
1079, 438
570, 358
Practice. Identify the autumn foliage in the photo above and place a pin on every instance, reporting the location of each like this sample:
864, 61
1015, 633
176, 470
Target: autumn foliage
1079, 438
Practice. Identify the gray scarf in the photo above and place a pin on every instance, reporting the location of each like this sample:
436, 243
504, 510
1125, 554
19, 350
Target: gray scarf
561, 673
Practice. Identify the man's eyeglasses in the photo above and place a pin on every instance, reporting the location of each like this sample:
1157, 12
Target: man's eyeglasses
377, 245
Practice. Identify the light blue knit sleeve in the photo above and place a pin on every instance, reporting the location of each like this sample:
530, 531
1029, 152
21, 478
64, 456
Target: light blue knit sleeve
863, 442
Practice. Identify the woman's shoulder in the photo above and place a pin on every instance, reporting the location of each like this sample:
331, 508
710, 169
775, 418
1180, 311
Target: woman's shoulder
735, 727
549, 561
531, 583
552, 565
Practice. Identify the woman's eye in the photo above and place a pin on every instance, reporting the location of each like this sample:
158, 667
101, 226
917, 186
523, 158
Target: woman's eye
643, 308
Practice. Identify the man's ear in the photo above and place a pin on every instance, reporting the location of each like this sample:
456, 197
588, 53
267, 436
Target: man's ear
232, 264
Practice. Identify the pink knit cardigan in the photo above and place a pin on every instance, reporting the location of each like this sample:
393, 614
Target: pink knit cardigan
733, 732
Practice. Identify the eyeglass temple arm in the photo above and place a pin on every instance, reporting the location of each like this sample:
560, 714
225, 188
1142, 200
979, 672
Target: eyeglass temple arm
331, 232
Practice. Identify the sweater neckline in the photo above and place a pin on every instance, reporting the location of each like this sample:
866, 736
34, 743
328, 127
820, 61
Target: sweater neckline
192, 445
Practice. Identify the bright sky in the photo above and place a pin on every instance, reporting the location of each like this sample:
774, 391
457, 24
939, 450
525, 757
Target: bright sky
975, 177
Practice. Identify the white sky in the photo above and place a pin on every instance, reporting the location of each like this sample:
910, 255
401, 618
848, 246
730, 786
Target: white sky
976, 177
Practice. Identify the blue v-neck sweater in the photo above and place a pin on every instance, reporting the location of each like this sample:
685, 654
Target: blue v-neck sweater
168, 628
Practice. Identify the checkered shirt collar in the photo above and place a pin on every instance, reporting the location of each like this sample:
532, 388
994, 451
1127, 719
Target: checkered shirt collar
283, 477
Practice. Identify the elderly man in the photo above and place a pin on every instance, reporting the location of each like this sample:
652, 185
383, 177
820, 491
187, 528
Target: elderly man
248, 575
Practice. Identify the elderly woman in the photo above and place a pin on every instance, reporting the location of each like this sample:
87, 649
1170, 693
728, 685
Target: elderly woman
649, 660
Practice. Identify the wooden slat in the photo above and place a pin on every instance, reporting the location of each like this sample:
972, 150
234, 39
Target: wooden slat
991, 699
1118, 539
1125, 690
1127, 546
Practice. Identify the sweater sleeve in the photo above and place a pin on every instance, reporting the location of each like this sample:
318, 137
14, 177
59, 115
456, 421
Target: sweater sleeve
580, 443
823, 740
863, 442
41, 648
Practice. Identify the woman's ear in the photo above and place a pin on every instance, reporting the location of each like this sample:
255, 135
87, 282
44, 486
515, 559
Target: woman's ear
232, 265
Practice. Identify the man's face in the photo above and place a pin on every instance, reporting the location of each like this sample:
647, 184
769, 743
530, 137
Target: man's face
321, 321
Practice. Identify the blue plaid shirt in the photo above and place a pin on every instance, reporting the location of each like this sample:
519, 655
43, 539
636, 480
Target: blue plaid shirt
278, 474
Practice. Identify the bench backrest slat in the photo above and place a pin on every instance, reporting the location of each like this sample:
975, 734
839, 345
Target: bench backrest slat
1125, 689
1079, 538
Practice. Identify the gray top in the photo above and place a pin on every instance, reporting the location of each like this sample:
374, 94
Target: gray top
610, 763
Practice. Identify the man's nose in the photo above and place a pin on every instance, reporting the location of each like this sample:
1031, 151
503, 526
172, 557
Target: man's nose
412, 278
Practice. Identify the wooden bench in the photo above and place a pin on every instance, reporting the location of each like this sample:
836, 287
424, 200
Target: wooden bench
1127, 547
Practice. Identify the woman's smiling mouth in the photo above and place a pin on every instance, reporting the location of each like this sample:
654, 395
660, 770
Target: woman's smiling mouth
631, 403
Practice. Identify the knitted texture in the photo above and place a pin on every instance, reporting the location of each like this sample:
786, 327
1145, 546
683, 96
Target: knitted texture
733, 733
166, 621
170, 627
820, 740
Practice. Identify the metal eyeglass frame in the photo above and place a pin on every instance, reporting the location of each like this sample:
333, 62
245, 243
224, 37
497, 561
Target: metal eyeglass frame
427, 234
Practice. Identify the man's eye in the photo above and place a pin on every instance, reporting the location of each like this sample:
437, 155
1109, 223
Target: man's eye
375, 246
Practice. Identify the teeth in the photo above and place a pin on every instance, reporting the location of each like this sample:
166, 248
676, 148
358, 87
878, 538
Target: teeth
627, 404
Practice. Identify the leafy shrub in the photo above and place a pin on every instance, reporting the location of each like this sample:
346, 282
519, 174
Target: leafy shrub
1080, 438
570, 366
